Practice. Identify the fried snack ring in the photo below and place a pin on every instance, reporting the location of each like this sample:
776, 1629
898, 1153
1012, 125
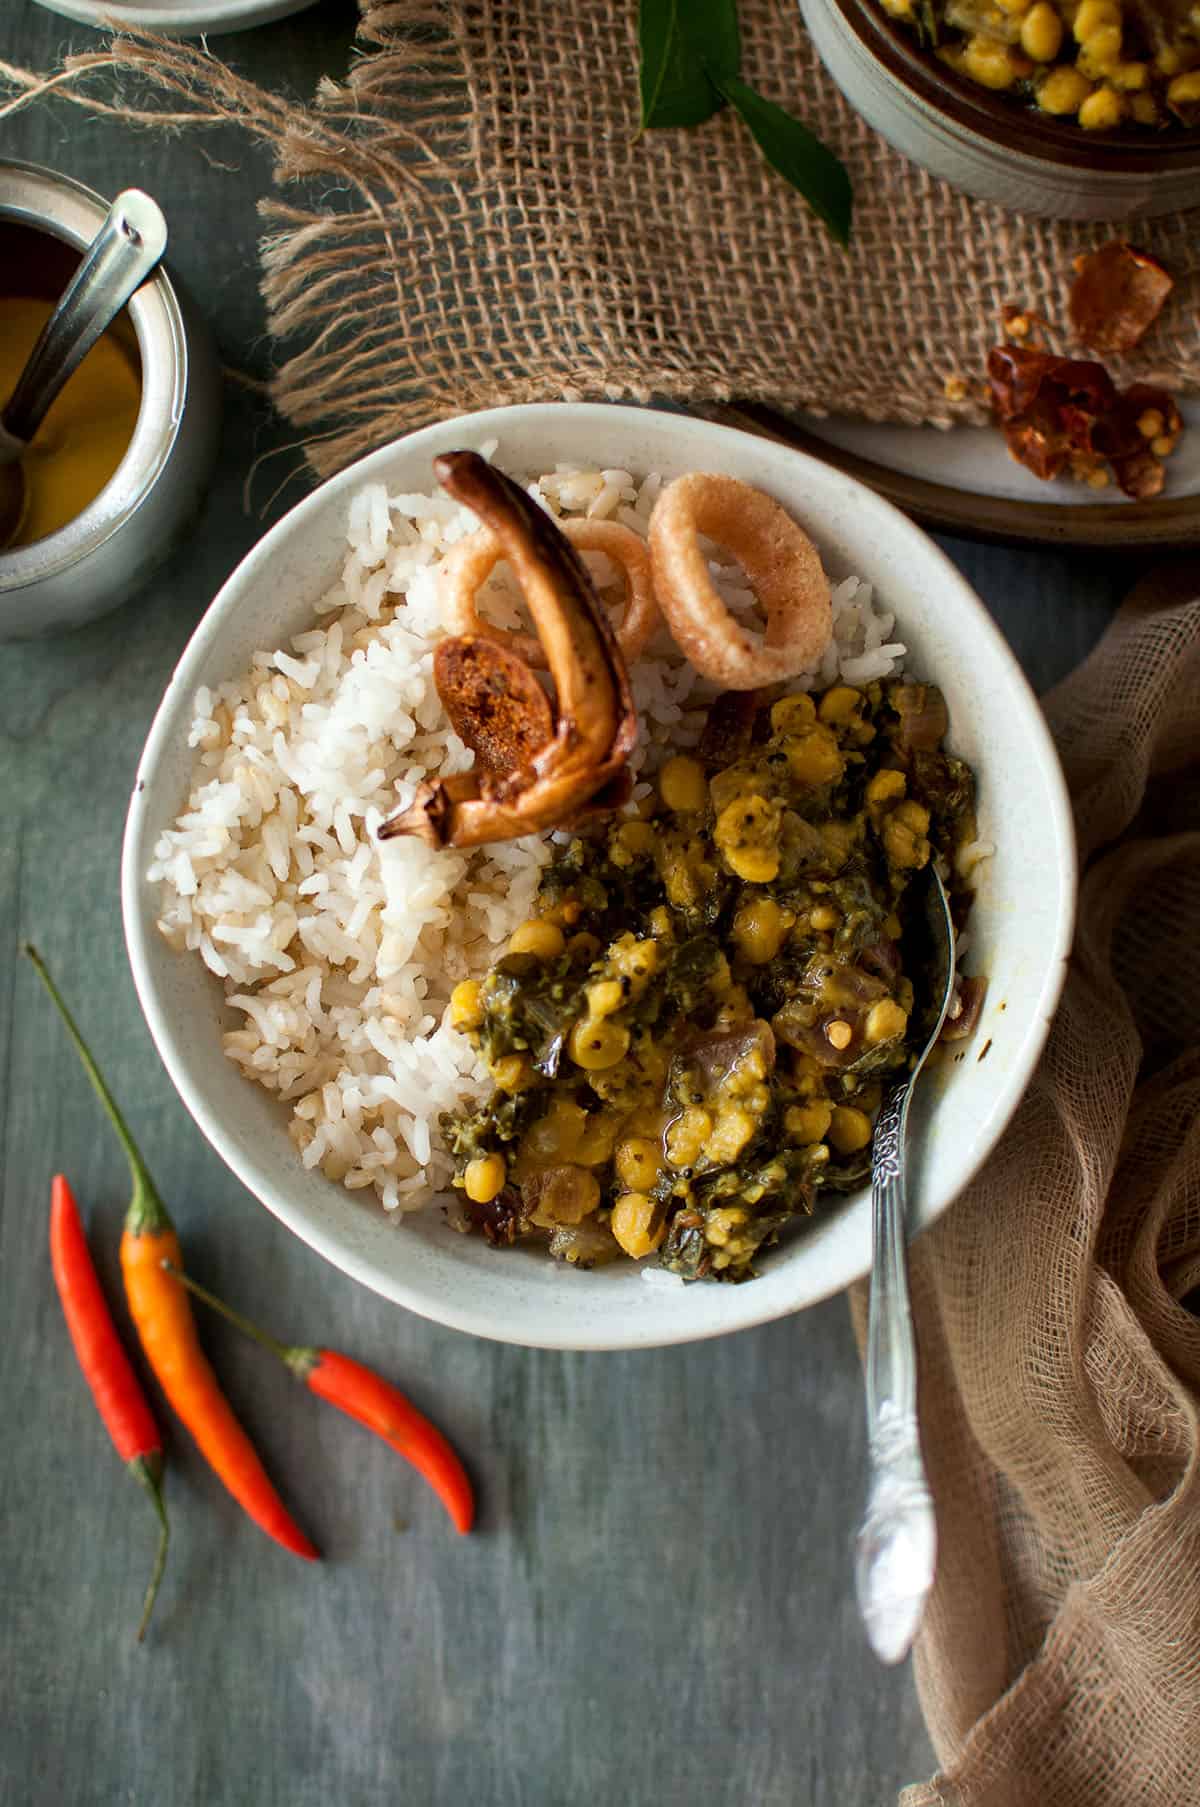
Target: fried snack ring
780, 561
467, 566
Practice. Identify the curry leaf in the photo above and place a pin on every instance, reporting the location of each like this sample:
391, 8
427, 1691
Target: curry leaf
711, 27
676, 89
798, 156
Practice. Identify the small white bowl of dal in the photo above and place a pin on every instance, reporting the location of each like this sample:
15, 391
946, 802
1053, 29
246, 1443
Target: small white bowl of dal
271, 939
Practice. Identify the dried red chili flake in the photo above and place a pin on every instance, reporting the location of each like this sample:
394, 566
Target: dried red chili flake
1138, 435
1117, 296
1048, 406
1065, 412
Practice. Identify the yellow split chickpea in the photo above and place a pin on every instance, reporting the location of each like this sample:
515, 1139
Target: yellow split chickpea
745, 833
808, 1123
886, 786
687, 1136
637, 1161
734, 1129
1100, 54
815, 757
793, 714
597, 1043
839, 704
1185, 88
1063, 91
823, 918
484, 1178
544, 939
604, 997
1101, 111
989, 63
512, 1072
759, 928
849, 1129
466, 1005
633, 1226
1092, 15
632, 840
682, 784
884, 1020
1041, 32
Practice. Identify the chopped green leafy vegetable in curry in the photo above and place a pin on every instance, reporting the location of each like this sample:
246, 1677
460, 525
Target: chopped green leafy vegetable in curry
690, 1041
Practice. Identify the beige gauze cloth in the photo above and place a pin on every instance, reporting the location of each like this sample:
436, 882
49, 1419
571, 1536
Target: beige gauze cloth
1059, 1662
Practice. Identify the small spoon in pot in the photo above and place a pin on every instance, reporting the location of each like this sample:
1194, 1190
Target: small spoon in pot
127, 248
897, 1545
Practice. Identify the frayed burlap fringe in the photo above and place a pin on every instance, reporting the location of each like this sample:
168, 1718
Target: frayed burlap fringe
489, 229
1059, 1665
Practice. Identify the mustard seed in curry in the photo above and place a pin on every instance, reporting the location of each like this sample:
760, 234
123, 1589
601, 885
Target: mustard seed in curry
689, 1042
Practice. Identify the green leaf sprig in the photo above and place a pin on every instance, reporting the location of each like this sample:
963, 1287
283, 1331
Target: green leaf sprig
691, 58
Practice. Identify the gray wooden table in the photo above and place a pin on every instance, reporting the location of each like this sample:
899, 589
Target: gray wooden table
656, 1610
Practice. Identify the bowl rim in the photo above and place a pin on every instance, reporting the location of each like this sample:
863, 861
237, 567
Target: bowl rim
643, 1330
1021, 130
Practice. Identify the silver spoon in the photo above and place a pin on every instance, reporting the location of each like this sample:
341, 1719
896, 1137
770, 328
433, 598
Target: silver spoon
124, 252
897, 1545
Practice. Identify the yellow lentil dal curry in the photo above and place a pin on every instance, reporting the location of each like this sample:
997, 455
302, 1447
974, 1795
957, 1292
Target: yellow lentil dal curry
690, 1040
1102, 63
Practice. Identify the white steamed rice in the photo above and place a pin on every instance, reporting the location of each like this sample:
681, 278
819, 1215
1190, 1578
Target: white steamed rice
338, 952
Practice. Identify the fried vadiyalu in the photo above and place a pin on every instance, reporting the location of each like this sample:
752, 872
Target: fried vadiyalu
555, 763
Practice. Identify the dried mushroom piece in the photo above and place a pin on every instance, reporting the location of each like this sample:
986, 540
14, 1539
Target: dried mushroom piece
1117, 295
595, 722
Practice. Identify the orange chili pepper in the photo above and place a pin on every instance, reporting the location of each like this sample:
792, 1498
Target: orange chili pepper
162, 1315
375, 1402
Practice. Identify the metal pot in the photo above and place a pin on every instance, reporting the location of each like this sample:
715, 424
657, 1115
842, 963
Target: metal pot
114, 545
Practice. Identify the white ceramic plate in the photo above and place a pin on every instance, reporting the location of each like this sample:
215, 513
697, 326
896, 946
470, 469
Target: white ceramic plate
964, 481
183, 17
1021, 926
975, 461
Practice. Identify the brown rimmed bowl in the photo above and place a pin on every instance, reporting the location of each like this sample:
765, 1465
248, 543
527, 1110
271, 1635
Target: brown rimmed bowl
987, 145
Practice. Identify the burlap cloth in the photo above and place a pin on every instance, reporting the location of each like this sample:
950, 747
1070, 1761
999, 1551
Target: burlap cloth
487, 232
487, 228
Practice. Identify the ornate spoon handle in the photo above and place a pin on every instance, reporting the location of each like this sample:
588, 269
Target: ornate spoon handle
897, 1545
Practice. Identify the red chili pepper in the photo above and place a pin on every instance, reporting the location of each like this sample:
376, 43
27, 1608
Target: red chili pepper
162, 1315
119, 1399
375, 1402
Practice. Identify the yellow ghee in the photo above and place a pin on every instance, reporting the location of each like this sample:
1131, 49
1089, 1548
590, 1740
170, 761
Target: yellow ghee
84, 436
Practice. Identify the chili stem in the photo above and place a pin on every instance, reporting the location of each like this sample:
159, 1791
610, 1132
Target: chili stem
151, 1480
301, 1361
146, 1209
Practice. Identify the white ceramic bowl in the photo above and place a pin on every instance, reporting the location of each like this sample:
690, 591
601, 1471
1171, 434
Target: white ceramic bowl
1021, 925
984, 143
